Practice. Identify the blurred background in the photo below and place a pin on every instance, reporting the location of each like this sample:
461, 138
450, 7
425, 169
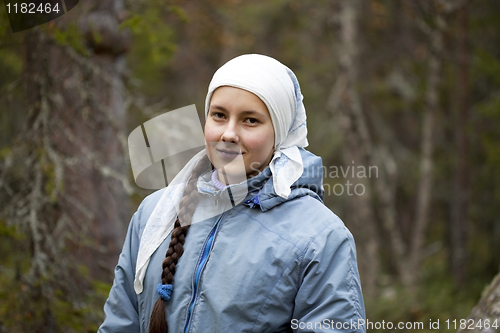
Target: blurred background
409, 88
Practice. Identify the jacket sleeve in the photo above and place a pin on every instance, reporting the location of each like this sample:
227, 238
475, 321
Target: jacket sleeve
121, 307
329, 298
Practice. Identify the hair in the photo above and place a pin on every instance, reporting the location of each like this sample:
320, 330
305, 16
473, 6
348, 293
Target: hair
187, 205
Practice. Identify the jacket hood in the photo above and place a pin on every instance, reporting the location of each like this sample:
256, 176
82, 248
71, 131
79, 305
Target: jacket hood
309, 183
259, 190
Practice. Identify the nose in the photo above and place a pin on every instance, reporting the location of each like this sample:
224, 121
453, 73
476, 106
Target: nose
230, 133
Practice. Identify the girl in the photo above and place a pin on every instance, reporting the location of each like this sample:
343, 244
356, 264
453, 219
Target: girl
262, 254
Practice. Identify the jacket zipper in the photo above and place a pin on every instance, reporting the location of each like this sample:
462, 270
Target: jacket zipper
199, 268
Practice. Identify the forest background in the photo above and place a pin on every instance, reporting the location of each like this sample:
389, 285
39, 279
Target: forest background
410, 87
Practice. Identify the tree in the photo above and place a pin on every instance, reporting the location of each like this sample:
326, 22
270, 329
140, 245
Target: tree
68, 175
486, 314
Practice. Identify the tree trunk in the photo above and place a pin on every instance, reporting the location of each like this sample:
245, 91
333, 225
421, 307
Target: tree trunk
424, 193
76, 211
407, 258
458, 227
487, 310
356, 147
88, 124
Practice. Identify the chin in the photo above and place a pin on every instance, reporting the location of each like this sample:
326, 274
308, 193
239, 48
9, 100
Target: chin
232, 175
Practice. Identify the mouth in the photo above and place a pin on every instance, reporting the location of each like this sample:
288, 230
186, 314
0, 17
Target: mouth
229, 153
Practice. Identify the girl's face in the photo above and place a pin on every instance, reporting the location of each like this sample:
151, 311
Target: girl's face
238, 122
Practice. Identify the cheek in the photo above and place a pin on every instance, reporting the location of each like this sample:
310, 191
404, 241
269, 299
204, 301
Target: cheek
262, 143
210, 137
211, 134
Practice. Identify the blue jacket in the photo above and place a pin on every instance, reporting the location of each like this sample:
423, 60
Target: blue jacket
266, 265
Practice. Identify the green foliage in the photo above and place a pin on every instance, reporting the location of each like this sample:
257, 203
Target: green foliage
134, 22
10, 61
11, 67
10, 231
82, 316
5, 153
152, 48
488, 67
26, 304
437, 299
11, 265
490, 110
53, 185
5, 28
70, 36
180, 13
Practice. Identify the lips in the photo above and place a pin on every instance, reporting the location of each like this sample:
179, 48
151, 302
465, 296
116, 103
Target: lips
228, 153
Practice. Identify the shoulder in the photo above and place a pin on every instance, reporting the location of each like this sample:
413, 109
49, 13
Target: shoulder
146, 208
318, 216
305, 221
317, 221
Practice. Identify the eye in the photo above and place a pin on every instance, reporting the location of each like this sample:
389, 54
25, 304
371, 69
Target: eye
251, 121
218, 115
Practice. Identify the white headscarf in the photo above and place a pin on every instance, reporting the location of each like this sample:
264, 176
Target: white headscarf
276, 85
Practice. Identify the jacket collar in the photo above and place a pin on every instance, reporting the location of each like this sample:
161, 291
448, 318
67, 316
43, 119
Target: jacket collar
259, 190
310, 183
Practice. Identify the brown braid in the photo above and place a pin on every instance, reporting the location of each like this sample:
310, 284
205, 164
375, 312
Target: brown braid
158, 322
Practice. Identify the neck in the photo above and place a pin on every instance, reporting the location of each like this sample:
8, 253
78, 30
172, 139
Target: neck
215, 180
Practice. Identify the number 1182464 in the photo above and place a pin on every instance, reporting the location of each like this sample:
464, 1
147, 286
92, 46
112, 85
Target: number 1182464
472, 324
32, 8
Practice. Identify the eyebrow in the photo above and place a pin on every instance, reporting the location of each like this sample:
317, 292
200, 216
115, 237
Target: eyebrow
212, 106
221, 108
